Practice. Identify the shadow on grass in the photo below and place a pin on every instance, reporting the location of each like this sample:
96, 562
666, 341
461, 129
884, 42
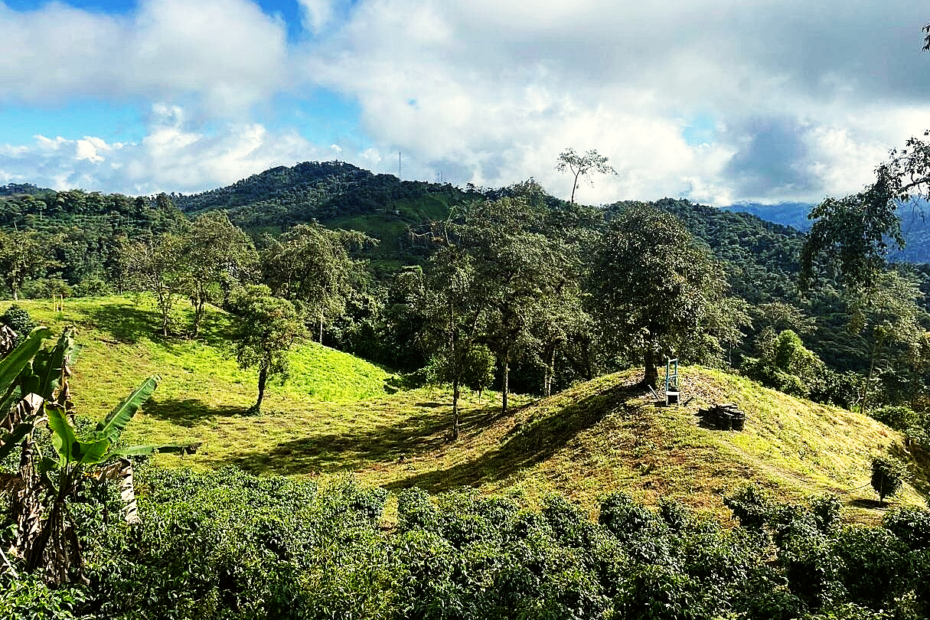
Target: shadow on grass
188, 412
125, 321
525, 445
427, 431
128, 323
872, 504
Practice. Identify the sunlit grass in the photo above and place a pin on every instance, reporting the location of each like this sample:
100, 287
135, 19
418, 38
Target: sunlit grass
340, 414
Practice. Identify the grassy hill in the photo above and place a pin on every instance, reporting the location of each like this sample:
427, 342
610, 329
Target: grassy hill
340, 414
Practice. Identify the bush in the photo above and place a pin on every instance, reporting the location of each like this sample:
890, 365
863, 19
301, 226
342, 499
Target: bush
888, 474
898, 417
752, 506
18, 319
911, 525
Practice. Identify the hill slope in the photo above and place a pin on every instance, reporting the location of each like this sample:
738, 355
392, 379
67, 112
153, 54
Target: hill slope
337, 415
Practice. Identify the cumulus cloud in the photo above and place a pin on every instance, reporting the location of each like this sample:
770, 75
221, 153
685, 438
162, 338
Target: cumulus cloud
174, 155
493, 91
795, 99
226, 54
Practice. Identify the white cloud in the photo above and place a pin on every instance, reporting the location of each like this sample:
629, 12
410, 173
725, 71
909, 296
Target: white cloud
226, 54
318, 14
491, 92
800, 99
174, 155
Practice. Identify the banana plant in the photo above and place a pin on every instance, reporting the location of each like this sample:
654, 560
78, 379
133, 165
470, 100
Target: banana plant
34, 390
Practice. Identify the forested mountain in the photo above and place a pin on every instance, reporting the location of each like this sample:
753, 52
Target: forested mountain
759, 258
336, 194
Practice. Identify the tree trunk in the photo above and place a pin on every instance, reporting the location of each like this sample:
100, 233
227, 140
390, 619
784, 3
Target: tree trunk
455, 409
506, 383
651, 376
198, 316
321, 327
550, 371
262, 379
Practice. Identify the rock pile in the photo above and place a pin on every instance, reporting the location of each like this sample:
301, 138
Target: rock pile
723, 417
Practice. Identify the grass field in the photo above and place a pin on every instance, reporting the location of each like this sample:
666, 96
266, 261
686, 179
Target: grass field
340, 414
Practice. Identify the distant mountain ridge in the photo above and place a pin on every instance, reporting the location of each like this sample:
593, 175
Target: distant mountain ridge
915, 224
792, 214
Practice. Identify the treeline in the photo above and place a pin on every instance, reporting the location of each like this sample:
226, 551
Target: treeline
227, 545
538, 304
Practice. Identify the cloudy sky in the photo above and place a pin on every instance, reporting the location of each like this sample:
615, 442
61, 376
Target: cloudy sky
719, 101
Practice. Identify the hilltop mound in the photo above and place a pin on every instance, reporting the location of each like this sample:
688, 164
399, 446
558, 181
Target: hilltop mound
608, 434
341, 414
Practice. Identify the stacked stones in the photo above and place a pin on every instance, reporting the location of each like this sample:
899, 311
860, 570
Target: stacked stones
724, 417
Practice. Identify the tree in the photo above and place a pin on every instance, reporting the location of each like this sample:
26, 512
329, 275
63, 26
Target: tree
267, 328
888, 474
35, 385
856, 231
158, 265
652, 285
518, 271
219, 255
887, 314
453, 313
24, 255
310, 264
581, 166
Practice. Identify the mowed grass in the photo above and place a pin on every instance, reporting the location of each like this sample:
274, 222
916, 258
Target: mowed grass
340, 414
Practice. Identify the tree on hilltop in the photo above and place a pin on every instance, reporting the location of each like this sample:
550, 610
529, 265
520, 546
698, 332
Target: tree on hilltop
581, 166
653, 286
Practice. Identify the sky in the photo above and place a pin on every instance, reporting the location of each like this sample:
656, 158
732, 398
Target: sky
717, 101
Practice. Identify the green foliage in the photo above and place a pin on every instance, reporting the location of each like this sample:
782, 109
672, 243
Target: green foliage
267, 329
18, 319
652, 293
752, 506
888, 474
785, 364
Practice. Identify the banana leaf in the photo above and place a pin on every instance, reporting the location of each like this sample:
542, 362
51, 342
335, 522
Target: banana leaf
111, 426
13, 364
8, 441
175, 448
47, 368
71, 449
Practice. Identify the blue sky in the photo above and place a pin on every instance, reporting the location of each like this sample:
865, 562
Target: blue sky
718, 101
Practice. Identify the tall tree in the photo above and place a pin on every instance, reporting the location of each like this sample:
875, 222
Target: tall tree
888, 316
519, 270
219, 255
310, 264
652, 285
581, 166
158, 266
447, 298
24, 254
267, 328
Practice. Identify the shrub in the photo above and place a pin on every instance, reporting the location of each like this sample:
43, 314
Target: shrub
752, 506
872, 561
18, 319
911, 525
888, 474
898, 417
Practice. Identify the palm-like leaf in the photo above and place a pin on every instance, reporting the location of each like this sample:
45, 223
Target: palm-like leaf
13, 364
111, 427
48, 368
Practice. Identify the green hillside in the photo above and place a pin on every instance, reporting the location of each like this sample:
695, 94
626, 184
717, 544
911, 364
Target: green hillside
339, 414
